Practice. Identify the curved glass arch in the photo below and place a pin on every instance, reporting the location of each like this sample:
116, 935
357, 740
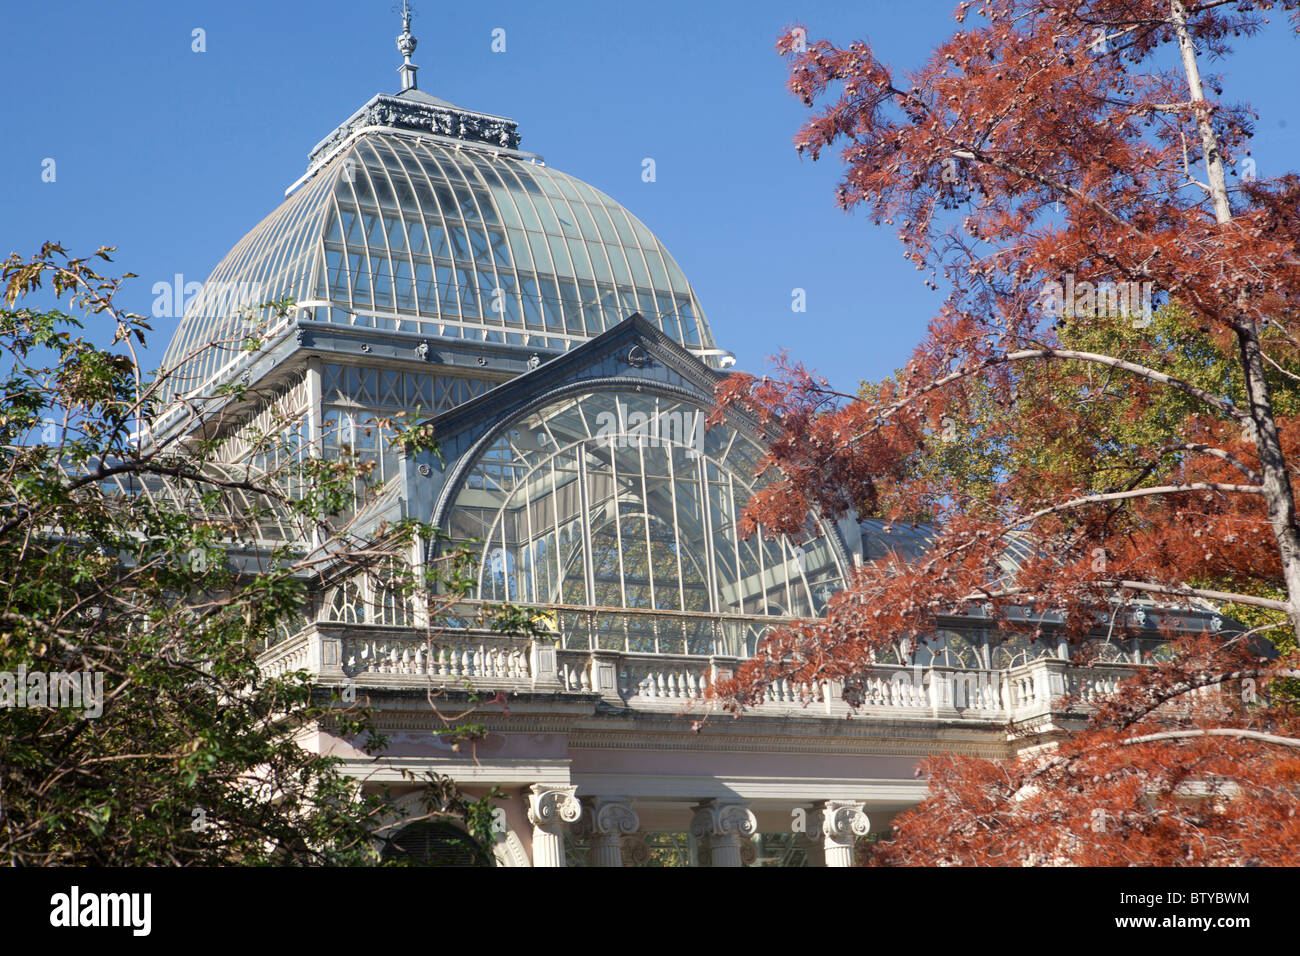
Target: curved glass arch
621, 500
415, 234
947, 648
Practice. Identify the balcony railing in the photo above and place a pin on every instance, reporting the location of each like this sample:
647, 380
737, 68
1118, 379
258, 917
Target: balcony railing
398, 657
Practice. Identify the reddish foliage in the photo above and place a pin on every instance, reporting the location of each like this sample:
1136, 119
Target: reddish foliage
1021, 154
1165, 775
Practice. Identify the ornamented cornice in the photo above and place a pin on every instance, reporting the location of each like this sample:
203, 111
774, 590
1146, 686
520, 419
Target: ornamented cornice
873, 742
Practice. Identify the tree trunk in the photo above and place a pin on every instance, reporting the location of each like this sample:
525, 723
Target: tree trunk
1209, 141
1278, 494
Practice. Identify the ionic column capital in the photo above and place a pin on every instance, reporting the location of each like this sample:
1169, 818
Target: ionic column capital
609, 820
713, 819
843, 821
722, 826
633, 850
611, 816
550, 807
839, 823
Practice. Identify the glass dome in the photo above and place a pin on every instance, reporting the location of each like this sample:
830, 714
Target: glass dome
409, 233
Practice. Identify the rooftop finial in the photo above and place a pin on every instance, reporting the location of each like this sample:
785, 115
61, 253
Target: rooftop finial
406, 46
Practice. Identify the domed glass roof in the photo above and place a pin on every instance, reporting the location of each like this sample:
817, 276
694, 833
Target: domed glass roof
430, 235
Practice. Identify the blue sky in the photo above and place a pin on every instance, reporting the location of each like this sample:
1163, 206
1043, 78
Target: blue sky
173, 155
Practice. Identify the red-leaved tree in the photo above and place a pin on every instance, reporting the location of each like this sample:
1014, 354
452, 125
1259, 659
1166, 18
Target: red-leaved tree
1064, 167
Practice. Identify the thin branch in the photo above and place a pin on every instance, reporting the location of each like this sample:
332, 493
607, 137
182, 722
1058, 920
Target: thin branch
1215, 732
1160, 378
1140, 493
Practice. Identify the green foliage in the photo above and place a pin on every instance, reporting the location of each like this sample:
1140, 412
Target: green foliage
1114, 423
113, 565
1116, 433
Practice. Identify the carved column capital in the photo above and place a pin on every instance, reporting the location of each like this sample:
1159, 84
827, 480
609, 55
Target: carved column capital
634, 850
551, 807
723, 827
609, 820
611, 816
713, 819
843, 821
840, 823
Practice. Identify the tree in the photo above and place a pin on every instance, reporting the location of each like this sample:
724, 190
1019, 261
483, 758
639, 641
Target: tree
1064, 184
135, 724
1117, 439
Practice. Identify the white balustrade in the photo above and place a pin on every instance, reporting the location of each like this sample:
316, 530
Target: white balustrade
295, 657
406, 656
672, 681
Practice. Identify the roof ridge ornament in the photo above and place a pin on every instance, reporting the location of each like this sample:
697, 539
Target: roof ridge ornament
411, 110
418, 113
406, 44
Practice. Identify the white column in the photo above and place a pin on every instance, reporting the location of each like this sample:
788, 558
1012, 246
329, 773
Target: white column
550, 809
840, 823
315, 422
610, 819
722, 826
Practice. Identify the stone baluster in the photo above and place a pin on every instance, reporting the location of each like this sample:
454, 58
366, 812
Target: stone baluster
609, 820
722, 826
550, 809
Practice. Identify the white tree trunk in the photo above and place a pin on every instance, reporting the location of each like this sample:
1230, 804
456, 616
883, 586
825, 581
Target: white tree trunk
1278, 494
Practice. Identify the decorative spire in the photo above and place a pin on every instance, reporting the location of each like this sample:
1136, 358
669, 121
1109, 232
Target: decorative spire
406, 46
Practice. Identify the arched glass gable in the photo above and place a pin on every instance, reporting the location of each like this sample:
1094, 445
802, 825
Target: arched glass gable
414, 234
622, 500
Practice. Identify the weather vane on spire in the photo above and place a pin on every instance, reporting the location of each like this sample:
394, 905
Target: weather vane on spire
406, 46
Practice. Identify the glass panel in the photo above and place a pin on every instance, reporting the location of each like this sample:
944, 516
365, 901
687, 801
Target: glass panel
606, 501
360, 232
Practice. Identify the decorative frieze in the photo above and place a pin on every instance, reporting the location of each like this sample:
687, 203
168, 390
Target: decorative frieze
397, 112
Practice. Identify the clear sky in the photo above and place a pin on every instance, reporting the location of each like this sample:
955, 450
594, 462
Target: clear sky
173, 155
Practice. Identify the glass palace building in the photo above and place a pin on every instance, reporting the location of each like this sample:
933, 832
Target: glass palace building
436, 271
